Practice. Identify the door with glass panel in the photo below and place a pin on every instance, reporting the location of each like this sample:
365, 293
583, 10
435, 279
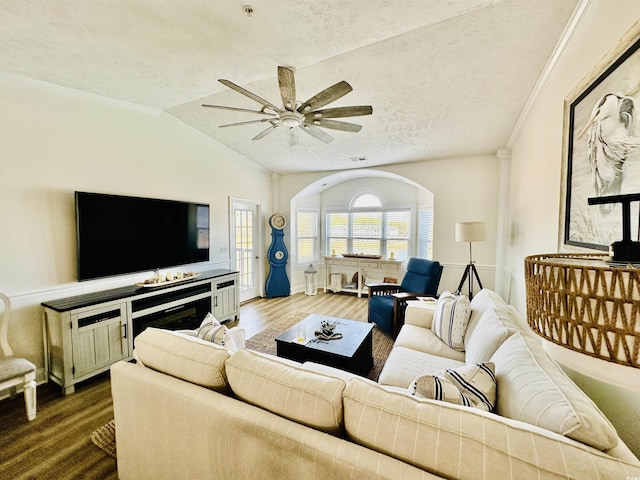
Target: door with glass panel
245, 246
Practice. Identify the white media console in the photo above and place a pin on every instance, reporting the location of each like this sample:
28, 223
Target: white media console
85, 334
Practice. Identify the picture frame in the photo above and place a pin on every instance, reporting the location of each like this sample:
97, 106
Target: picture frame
601, 149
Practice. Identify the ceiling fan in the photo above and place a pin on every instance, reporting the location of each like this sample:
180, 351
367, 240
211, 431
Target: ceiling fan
295, 115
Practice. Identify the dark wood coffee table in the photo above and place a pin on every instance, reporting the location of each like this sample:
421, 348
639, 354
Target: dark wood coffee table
353, 352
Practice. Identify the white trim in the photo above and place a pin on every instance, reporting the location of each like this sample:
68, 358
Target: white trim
578, 16
259, 248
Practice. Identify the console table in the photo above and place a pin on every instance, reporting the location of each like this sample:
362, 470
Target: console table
85, 334
365, 268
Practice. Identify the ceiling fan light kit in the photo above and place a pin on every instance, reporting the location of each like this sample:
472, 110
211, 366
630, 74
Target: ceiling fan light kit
294, 115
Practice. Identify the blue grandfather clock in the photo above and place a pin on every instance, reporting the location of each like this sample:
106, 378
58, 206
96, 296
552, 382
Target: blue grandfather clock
277, 280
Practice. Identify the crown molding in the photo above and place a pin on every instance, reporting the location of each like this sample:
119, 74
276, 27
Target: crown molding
578, 16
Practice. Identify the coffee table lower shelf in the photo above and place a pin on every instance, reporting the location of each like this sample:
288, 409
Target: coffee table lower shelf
353, 352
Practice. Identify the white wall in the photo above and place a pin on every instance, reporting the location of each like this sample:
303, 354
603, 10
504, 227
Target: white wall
536, 195
392, 192
53, 142
464, 189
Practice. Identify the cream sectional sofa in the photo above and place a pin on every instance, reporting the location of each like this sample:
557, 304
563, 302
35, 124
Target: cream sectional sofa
190, 409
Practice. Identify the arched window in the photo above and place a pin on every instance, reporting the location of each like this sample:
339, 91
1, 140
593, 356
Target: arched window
369, 228
366, 200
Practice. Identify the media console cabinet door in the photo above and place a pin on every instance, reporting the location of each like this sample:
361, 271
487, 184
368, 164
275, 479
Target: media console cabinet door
83, 342
226, 302
99, 338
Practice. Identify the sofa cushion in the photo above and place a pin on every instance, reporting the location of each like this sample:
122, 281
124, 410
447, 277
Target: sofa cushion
469, 385
424, 340
183, 356
405, 364
300, 395
458, 442
491, 330
533, 388
213, 331
481, 301
420, 312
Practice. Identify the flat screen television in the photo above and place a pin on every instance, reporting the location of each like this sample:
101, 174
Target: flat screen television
122, 234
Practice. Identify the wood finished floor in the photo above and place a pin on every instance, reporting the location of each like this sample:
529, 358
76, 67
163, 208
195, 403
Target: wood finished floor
56, 445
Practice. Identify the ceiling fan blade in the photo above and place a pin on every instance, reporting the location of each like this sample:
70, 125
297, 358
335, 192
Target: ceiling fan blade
341, 112
264, 133
326, 96
336, 125
287, 84
236, 109
262, 120
252, 96
317, 133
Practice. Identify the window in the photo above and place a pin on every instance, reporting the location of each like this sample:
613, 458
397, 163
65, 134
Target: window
307, 228
372, 232
366, 200
425, 232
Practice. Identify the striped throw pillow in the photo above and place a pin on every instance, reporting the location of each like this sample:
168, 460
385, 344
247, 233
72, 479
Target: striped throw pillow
450, 319
213, 331
470, 385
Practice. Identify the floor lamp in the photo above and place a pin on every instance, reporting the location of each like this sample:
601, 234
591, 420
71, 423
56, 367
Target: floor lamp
469, 232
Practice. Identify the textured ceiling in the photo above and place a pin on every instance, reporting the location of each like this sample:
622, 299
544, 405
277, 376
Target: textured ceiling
445, 77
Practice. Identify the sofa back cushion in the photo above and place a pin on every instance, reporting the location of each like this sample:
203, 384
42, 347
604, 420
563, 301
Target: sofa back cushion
481, 301
183, 356
453, 441
533, 388
300, 395
489, 332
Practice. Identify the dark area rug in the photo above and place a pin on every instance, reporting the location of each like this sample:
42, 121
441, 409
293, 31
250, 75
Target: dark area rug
265, 341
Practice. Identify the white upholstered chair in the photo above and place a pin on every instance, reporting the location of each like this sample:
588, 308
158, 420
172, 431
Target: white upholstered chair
14, 371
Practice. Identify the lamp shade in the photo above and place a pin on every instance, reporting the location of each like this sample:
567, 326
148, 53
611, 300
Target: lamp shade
470, 232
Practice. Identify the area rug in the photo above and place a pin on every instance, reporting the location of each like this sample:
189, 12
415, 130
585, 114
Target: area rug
265, 341
105, 438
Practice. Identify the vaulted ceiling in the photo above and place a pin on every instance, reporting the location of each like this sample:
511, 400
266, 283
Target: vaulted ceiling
445, 78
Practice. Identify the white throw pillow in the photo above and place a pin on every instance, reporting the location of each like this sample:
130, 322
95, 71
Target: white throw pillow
469, 385
213, 331
450, 319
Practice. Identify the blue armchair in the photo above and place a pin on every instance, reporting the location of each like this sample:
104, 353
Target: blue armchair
387, 301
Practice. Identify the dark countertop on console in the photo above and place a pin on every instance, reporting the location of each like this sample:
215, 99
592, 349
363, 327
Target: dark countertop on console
87, 299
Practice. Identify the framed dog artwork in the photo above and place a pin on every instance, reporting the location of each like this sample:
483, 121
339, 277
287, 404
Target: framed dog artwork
602, 149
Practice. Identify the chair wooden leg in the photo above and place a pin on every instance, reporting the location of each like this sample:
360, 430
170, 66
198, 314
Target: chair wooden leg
29, 390
399, 307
